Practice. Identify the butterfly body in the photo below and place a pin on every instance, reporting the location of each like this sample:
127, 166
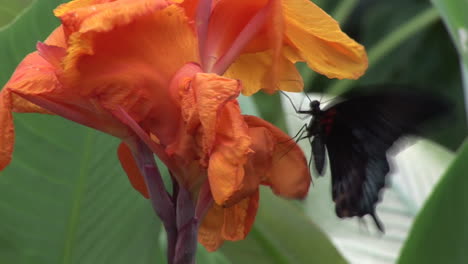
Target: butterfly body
358, 133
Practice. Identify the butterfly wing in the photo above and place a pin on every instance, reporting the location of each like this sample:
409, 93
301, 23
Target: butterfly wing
362, 131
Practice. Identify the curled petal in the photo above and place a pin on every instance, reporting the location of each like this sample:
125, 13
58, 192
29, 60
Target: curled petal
239, 218
212, 93
209, 232
232, 223
289, 175
232, 148
226, 168
320, 41
212, 114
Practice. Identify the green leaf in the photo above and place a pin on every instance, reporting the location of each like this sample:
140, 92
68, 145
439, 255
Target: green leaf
440, 234
65, 198
282, 234
454, 16
20, 38
10, 9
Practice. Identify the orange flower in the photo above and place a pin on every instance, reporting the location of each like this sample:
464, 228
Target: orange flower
258, 42
142, 71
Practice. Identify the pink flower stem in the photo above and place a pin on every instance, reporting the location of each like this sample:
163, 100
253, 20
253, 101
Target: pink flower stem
244, 37
203, 20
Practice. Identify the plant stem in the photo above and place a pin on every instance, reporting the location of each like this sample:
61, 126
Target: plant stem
160, 199
424, 19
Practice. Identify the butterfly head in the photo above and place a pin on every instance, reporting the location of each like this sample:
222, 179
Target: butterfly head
315, 107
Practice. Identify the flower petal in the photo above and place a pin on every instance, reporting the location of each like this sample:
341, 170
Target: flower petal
210, 110
233, 223
209, 232
289, 175
239, 218
7, 131
320, 41
131, 168
254, 70
152, 41
33, 76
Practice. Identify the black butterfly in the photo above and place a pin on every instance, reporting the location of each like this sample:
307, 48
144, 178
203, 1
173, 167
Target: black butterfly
357, 133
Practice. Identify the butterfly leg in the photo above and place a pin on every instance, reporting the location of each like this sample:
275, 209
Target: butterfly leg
298, 111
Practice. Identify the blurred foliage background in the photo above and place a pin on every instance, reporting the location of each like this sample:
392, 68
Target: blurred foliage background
65, 199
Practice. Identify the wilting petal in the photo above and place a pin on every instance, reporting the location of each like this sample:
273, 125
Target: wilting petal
131, 168
233, 223
289, 175
212, 113
212, 93
226, 169
239, 218
209, 232
321, 43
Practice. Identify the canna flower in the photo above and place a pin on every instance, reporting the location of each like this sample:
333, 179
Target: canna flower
163, 76
258, 42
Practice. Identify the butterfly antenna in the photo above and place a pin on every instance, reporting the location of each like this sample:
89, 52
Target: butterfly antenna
321, 97
290, 100
310, 100
326, 101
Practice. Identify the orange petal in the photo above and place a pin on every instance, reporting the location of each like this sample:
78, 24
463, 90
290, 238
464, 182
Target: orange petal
226, 167
233, 223
57, 38
117, 56
212, 93
7, 131
224, 134
254, 70
289, 175
239, 218
33, 76
133, 172
320, 41
209, 232
260, 162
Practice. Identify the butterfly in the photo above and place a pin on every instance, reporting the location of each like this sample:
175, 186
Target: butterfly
358, 133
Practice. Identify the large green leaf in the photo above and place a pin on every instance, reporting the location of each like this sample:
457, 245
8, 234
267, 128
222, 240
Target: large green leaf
20, 38
65, 198
440, 234
282, 234
455, 18
10, 9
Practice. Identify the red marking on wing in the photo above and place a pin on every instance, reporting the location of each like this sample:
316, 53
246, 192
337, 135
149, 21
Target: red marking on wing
328, 119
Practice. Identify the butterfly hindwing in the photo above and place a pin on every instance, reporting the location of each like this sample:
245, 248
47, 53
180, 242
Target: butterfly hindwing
362, 131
